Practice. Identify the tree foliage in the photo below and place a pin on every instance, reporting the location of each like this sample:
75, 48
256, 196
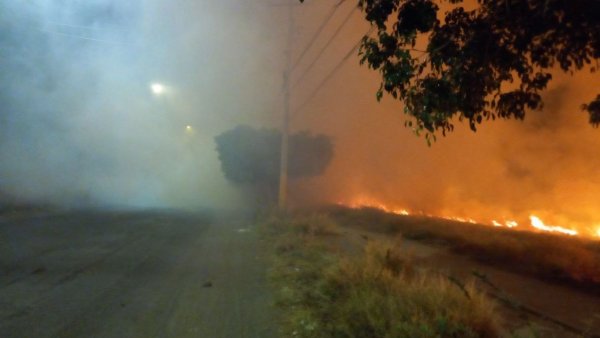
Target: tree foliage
252, 156
483, 60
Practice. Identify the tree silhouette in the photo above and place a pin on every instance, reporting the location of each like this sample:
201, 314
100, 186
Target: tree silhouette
483, 60
250, 157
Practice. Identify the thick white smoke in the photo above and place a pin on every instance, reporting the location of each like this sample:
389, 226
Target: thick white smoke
80, 123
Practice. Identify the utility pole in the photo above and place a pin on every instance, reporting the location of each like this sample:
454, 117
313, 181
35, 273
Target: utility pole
285, 127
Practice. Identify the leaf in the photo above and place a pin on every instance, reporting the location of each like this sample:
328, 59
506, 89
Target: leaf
472, 55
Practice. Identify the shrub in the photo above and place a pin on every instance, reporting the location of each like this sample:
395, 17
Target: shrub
378, 294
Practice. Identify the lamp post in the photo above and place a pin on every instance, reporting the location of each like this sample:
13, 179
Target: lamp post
285, 127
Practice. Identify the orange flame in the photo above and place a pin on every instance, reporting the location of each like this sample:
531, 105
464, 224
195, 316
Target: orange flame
507, 223
370, 203
460, 219
536, 222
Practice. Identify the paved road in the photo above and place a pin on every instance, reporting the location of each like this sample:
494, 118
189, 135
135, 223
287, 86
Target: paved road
131, 275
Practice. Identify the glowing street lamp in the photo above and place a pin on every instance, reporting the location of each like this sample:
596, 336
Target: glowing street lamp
157, 88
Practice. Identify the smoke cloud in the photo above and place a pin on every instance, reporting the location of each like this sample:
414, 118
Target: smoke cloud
80, 122
546, 165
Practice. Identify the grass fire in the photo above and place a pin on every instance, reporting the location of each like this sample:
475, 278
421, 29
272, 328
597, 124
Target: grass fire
535, 222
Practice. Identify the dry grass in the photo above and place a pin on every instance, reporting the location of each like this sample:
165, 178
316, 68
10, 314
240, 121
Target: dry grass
574, 261
378, 294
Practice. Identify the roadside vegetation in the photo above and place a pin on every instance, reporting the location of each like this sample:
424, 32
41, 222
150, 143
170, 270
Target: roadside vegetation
325, 292
568, 260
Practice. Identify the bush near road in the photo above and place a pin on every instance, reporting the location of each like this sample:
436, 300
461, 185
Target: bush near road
323, 293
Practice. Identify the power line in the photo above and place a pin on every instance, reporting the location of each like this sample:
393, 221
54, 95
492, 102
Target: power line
46, 22
81, 37
40, 26
69, 25
331, 74
285, 125
335, 34
317, 33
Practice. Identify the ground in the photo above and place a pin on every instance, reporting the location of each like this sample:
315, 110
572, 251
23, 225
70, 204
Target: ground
122, 274
550, 309
172, 274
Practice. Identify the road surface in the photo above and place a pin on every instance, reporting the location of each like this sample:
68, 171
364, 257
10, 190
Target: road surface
117, 274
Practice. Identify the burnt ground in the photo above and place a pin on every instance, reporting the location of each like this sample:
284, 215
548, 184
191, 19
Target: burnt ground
122, 274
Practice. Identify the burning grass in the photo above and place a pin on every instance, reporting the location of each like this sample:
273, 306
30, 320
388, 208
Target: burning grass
323, 293
570, 260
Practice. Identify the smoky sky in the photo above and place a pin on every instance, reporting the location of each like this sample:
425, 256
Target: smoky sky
79, 122
546, 165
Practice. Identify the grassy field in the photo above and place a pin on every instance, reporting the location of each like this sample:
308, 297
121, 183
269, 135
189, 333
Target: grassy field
568, 260
322, 292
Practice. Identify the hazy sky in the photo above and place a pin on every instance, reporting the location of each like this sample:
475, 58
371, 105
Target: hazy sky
80, 123
546, 165
79, 120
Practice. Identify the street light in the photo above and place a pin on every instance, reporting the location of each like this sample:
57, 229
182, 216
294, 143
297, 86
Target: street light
157, 88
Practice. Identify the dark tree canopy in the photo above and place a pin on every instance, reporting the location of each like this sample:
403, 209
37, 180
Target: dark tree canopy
485, 60
251, 156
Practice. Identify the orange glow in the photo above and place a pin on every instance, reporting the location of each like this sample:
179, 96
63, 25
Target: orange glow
508, 224
371, 203
537, 223
459, 219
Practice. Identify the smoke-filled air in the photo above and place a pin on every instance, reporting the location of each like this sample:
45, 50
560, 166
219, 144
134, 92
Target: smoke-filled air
116, 103
299, 168
119, 103
504, 174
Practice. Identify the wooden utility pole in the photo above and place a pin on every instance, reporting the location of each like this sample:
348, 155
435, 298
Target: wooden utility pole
285, 127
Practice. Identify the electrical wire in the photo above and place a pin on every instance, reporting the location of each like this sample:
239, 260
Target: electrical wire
335, 34
317, 33
331, 74
81, 37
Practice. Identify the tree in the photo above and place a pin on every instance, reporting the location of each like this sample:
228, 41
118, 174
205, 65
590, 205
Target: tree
250, 157
485, 60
